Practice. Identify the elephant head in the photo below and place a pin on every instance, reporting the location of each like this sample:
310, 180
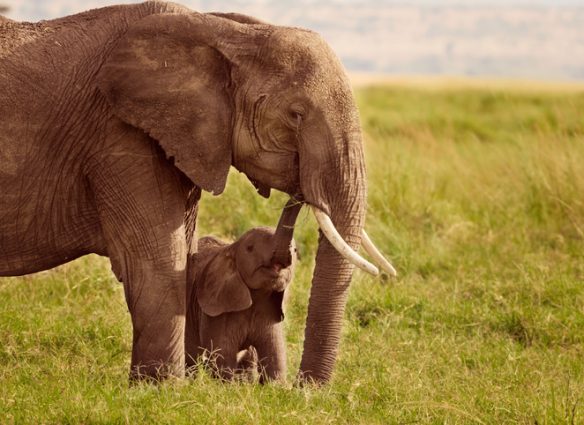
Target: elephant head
275, 102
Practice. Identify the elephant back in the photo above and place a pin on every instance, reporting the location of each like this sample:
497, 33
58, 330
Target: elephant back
209, 243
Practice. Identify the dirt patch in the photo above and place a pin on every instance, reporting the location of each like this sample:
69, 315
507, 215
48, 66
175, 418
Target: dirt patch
15, 34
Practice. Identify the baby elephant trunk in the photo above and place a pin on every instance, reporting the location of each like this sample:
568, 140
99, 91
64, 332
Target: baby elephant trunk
282, 257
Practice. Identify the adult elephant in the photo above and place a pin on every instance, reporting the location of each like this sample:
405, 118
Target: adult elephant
110, 118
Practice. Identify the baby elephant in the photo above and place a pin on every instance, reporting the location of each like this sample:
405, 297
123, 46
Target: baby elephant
235, 298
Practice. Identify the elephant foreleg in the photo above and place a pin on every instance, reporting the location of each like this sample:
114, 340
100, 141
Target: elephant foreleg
271, 353
141, 203
220, 337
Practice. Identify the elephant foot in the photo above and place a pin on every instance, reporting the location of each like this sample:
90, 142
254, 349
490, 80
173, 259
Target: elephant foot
155, 373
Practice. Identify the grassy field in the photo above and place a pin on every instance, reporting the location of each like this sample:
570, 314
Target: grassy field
477, 195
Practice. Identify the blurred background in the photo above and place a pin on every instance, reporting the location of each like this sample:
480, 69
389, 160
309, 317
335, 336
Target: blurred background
527, 39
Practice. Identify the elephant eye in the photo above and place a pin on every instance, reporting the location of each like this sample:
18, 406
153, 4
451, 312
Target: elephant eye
249, 248
295, 119
296, 114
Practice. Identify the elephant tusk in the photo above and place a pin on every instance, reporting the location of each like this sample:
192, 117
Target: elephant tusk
336, 240
377, 256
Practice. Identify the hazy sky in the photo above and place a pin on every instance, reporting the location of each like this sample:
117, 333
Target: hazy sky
507, 38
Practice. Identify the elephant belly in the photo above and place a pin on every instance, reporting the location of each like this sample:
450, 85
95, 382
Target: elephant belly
45, 221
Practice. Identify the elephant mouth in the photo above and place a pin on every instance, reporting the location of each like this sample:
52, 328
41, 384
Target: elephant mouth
262, 189
274, 270
275, 278
270, 274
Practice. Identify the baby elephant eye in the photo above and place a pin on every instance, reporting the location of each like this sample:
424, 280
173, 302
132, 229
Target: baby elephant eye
249, 248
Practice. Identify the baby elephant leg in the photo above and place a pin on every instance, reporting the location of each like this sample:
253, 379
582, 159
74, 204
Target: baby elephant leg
248, 364
225, 365
222, 362
221, 347
271, 353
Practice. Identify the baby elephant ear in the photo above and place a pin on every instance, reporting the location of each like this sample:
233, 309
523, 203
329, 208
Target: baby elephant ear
220, 288
163, 77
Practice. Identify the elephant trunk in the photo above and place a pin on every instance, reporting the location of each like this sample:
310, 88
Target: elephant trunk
285, 233
346, 206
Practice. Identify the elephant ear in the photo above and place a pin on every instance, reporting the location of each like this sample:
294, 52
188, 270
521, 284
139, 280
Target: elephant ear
220, 288
163, 77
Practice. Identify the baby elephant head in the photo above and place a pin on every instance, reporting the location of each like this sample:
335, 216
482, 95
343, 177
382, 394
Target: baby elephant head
258, 266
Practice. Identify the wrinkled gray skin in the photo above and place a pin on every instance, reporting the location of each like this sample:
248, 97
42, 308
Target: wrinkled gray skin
236, 301
113, 120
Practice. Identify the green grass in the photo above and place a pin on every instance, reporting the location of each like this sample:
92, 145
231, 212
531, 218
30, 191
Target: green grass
478, 198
